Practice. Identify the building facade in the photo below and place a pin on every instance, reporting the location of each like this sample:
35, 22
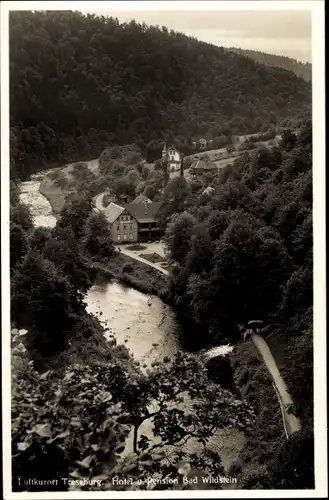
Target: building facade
133, 222
173, 158
124, 228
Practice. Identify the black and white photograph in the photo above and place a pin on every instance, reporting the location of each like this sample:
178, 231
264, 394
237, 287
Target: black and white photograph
163, 249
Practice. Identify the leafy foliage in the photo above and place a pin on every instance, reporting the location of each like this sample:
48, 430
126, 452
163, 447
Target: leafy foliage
20, 215
80, 420
44, 300
75, 214
18, 244
293, 465
97, 238
174, 198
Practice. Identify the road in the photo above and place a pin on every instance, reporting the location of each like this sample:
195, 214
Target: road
98, 200
133, 255
291, 423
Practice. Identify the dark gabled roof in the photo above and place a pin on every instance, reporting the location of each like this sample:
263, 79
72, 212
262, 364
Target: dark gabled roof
203, 165
141, 198
144, 212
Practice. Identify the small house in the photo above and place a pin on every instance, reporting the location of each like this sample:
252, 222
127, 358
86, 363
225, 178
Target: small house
134, 221
201, 167
124, 227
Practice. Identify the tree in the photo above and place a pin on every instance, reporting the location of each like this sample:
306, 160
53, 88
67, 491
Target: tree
20, 215
288, 140
123, 187
200, 255
298, 292
47, 433
97, 239
293, 467
43, 300
61, 180
161, 397
38, 238
174, 198
250, 270
18, 244
133, 176
57, 409
158, 165
150, 191
178, 236
82, 172
217, 223
302, 240
14, 194
64, 250
74, 214
146, 172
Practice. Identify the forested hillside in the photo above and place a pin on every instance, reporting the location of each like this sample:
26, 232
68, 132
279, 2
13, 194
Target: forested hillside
246, 252
81, 83
303, 70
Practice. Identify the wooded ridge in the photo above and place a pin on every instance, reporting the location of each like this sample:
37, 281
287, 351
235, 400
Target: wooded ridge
81, 82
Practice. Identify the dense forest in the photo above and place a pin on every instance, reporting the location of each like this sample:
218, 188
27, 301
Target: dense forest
246, 251
239, 253
303, 70
80, 83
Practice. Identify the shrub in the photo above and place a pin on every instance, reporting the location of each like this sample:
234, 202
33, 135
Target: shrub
136, 247
127, 268
67, 425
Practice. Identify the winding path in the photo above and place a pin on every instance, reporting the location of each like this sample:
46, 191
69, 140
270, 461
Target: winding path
290, 422
98, 200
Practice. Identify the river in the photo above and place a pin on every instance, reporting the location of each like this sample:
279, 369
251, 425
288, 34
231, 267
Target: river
143, 323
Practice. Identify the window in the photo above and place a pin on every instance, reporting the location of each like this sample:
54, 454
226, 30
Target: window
118, 227
131, 236
125, 236
119, 237
124, 227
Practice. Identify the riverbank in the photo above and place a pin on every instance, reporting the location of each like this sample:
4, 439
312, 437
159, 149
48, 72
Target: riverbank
54, 193
136, 274
55, 196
